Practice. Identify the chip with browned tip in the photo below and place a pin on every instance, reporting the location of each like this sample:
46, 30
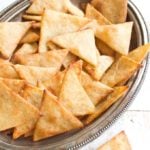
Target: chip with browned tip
55, 119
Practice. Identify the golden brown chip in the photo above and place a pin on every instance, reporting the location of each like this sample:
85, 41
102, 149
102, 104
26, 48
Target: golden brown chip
113, 10
55, 119
30, 37
14, 109
70, 58
111, 35
139, 53
73, 96
95, 90
10, 35
34, 96
79, 46
34, 74
104, 62
92, 13
15, 85
52, 58
104, 49
7, 71
120, 71
32, 18
119, 142
106, 103
25, 49
56, 23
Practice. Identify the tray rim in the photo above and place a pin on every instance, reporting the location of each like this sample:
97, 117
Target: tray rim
17, 4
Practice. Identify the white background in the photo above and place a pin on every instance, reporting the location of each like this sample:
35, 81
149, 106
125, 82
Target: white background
136, 121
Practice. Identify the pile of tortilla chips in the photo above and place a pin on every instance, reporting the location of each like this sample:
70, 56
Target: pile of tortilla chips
58, 68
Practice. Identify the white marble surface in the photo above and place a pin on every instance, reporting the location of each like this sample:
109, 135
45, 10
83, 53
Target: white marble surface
136, 121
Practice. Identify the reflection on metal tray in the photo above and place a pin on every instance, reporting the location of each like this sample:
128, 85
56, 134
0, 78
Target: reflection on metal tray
76, 139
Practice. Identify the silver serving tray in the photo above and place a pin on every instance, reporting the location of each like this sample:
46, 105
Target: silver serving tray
76, 139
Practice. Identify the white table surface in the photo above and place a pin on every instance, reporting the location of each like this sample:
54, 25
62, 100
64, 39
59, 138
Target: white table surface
136, 120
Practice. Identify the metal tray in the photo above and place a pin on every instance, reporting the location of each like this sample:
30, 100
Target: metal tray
76, 139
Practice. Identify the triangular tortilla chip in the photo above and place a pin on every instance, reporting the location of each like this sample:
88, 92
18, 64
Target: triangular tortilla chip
104, 49
73, 96
52, 58
79, 46
111, 35
7, 71
14, 109
30, 37
14, 84
55, 119
120, 71
32, 18
52, 46
70, 58
119, 142
34, 74
56, 23
104, 62
92, 13
113, 10
25, 49
106, 103
11, 38
34, 96
139, 53
95, 90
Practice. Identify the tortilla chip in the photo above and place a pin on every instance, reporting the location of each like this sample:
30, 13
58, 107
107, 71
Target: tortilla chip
34, 96
15, 85
120, 71
139, 53
7, 71
55, 119
34, 74
92, 13
119, 142
111, 35
4, 61
30, 37
104, 62
70, 58
52, 46
14, 109
25, 49
113, 10
52, 58
79, 46
73, 96
11, 38
106, 103
71, 8
56, 23
32, 18
95, 90
104, 49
